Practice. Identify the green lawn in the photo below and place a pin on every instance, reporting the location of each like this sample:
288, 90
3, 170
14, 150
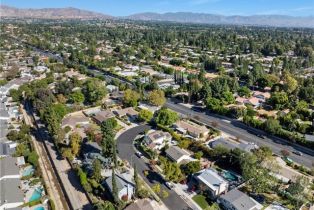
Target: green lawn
201, 201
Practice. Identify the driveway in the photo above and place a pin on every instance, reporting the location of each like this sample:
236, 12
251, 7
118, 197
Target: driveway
126, 152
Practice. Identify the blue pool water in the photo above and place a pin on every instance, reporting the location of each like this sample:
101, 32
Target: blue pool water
29, 170
36, 195
39, 208
229, 176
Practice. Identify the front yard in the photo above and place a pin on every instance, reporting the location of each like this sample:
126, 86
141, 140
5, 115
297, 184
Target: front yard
201, 201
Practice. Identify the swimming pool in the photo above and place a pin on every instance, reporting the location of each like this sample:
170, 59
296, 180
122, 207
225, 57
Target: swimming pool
29, 170
36, 194
39, 208
229, 176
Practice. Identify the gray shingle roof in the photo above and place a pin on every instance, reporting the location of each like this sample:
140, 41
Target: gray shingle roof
120, 180
8, 166
9, 187
239, 200
175, 152
10, 191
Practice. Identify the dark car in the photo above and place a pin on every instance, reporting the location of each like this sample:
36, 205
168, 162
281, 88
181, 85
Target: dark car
260, 136
198, 109
297, 153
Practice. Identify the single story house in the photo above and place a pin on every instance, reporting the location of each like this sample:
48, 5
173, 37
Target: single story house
102, 116
149, 107
74, 120
75, 74
7, 148
178, 155
157, 139
125, 185
130, 112
261, 95
112, 88
11, 195
245, 146
209, 180
193, 129
237, 200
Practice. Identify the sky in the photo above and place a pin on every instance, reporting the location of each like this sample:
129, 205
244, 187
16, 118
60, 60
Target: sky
223, 7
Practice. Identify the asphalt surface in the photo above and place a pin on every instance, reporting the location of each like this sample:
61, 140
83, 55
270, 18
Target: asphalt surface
238, 129
69, 181
127, 152
233, 127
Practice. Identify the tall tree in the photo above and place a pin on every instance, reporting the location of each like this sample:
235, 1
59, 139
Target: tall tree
136, 180
114, 188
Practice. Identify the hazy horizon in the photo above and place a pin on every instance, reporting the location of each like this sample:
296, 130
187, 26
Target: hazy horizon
299, 8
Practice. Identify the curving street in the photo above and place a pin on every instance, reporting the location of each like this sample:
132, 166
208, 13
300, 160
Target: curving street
126, 152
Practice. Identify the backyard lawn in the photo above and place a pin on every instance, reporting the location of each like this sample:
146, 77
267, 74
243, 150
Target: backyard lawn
201, 201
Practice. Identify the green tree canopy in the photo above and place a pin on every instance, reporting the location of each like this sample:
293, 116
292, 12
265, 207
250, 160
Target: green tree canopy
145, 115
156, 97
131, 98
94, 90
166, 117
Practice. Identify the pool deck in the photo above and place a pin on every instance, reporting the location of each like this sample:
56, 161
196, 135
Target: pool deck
30, 190
40, 205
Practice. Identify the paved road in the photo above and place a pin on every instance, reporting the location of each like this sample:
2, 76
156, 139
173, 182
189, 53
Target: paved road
126, 152
238, 129
235, 128
69, 181
52, 184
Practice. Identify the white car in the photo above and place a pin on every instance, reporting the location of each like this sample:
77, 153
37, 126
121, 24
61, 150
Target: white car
169, 185
138, 154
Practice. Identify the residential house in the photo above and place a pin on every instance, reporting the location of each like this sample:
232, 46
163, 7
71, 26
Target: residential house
75, 74
209, 180
102, 116
193, 129
309, 138
261, 95
129, 112
41, 69
11, 195
245, 146
73, 120
157, 139
124, 183
148, 107
142, 204
112, 88
237, 200
92, 151
255, 102
7, 148
178, 155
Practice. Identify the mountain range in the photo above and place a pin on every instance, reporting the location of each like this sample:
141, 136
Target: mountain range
181, 17
50, 13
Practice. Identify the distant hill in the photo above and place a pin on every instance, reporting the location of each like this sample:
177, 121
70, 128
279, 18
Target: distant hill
202, 18
50, 13
181, 17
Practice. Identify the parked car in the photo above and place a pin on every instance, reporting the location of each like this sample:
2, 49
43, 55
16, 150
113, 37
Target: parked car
297, 153
139, 154
169, 185
260, 136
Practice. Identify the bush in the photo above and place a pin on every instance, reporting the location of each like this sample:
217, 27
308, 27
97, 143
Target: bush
145, 115
32, 158
52, 205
